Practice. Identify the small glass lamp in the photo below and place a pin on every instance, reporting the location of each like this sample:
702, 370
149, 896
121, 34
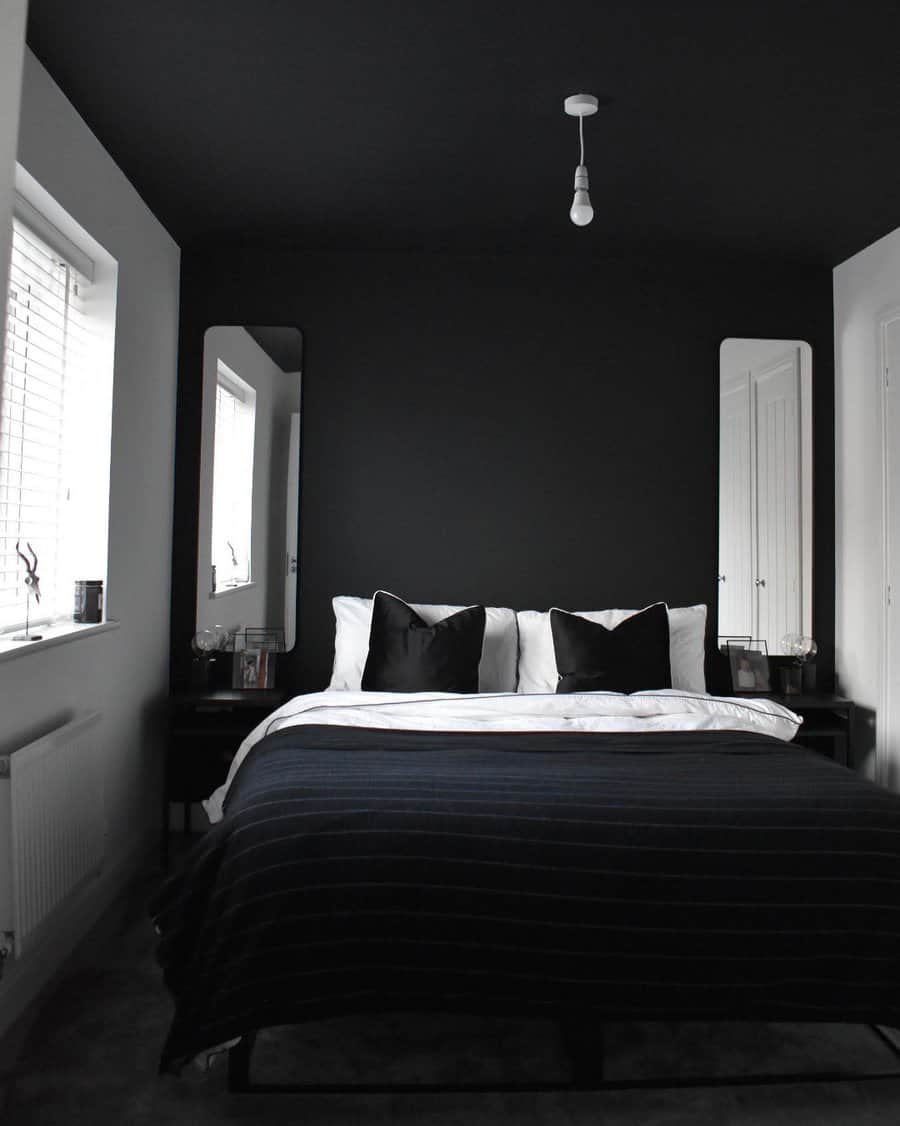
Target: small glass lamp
206, 643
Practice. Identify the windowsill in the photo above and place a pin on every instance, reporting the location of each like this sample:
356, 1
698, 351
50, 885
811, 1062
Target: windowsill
57, 634
225, 591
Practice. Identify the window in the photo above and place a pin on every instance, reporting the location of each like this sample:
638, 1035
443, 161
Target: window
232, 507
55, 416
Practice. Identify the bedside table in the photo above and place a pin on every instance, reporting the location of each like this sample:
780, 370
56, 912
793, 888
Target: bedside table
827, 723
205, 730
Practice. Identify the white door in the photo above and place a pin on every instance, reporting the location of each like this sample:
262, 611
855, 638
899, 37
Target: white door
291, 526
889, 720
736, 570
778, 535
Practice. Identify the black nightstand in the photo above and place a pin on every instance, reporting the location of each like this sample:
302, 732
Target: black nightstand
205, 730
827, 724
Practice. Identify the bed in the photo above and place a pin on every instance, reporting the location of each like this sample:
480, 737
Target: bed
594, 856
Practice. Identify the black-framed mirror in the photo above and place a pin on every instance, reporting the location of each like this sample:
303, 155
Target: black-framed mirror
248, 510
765, 490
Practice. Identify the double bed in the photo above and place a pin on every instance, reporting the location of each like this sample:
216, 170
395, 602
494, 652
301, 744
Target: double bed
594, 856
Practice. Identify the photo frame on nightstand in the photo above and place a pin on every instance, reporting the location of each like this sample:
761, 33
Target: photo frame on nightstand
724, 642
253, 660
263, 637
749, 666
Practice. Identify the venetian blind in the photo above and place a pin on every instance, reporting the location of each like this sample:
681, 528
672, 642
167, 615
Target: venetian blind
44, 368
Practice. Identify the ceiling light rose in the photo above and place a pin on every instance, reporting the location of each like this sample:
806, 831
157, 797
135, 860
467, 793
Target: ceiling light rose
581, 106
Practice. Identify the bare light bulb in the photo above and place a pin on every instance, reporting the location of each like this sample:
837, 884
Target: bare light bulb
581, 211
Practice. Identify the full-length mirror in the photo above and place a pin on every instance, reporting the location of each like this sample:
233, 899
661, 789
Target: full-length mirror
247, 546
765, 490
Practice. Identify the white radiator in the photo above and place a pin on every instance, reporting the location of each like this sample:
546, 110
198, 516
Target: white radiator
52, 825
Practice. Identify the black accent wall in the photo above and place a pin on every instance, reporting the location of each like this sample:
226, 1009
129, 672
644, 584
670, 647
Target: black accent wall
519, 431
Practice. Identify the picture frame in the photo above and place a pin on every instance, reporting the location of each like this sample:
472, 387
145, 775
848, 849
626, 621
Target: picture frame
248, 668
253, 669
750, 667
726, 641
254, 651
270, 638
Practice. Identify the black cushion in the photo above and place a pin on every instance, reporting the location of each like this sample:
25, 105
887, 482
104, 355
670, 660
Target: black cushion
407, 655
632, 657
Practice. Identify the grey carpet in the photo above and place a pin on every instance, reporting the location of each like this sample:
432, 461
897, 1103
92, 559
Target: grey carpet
91, 1057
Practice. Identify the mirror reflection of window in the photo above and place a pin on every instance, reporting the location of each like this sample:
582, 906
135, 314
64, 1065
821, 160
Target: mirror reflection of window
232, 506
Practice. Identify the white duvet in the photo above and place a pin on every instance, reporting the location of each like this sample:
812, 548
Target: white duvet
659, 710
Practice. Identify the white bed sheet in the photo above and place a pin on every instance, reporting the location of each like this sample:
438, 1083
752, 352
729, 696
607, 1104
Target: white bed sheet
658, 710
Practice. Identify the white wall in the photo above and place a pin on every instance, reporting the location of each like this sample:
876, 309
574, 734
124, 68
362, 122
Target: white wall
12, 50
123, 672
866, 287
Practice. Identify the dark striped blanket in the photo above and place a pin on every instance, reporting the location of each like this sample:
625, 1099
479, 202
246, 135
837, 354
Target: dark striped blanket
639, 876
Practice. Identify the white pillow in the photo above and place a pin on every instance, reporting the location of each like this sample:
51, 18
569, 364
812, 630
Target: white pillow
687, 646
353, 620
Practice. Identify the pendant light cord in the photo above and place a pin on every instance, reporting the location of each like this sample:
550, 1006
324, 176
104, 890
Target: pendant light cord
581, 138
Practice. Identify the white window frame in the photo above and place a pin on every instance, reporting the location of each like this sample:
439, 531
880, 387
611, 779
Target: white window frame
88, 413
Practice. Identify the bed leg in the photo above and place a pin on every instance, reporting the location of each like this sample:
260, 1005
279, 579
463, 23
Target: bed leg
239, 1063
583, 1040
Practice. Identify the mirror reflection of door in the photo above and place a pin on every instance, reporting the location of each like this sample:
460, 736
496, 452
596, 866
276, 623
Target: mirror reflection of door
248, 547
765, 490
291, 525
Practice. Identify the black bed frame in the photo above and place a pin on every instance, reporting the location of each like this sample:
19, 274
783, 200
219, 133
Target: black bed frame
586, 1055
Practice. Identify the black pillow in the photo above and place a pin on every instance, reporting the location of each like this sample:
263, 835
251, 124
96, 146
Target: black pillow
629, 658
407, 655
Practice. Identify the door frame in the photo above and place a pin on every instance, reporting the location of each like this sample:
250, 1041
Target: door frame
885, 720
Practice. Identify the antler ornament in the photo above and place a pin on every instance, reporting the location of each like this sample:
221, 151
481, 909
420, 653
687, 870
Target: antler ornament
32, 580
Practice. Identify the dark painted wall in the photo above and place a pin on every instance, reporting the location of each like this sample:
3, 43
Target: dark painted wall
518, 431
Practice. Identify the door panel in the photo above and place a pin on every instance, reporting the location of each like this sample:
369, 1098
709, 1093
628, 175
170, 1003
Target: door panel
889, 721
735, 546
777, 581
292, 538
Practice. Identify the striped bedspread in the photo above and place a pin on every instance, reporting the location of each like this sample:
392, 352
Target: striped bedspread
639, 876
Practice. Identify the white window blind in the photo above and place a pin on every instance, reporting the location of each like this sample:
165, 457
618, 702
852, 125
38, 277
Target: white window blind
45, 372
232, 507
